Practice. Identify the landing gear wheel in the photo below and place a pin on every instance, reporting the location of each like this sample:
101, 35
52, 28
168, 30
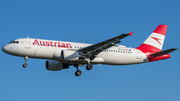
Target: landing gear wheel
89, 67
25, 59
24, 65
78, 73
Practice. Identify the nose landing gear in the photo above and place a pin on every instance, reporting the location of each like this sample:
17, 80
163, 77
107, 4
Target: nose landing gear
25, 59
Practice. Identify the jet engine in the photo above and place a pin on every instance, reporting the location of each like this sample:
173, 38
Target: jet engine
55, 65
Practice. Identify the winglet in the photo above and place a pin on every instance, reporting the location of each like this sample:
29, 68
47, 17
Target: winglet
131, 33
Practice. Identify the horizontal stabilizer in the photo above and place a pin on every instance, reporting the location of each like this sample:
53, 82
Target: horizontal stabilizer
164, 52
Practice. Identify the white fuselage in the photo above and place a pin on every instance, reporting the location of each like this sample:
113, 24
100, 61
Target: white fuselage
46, 49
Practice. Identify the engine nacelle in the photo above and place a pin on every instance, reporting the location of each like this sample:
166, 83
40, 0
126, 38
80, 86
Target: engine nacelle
55, 65
69, 55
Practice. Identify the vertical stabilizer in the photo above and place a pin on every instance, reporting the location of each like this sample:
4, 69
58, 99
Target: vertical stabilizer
154, 42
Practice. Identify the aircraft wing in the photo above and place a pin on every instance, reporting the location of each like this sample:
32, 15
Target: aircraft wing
92, 51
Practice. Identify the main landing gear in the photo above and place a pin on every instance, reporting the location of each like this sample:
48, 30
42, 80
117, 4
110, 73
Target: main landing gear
78, 72
25, 59
89, 67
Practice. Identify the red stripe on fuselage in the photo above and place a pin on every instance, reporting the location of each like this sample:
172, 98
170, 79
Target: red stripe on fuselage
148, 50
156, 58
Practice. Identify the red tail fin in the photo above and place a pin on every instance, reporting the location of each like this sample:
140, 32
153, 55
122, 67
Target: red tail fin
154, 42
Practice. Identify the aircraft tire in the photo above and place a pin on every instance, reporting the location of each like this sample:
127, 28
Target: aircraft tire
24, 65
78, 73
89, 67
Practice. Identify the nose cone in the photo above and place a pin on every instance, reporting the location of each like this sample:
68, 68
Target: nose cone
4, 48
10, 49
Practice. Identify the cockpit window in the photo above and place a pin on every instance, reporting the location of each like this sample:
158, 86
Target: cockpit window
16, 42
11, 42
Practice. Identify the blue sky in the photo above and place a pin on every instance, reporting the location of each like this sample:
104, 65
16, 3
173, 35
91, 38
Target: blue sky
89, 22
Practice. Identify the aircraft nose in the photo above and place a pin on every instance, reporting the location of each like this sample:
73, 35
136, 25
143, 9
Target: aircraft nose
5, 48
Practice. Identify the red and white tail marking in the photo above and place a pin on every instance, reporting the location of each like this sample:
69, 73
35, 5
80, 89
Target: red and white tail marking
154, 42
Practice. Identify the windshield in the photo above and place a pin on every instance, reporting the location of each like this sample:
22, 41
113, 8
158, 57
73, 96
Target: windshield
17, 42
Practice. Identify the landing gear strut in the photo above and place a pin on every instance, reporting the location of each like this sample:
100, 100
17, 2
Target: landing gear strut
78, 72
25, 59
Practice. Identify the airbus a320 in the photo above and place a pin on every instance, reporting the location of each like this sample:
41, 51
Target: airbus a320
62, 54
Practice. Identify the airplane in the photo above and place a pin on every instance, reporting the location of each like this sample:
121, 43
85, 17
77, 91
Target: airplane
62, 54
